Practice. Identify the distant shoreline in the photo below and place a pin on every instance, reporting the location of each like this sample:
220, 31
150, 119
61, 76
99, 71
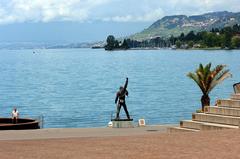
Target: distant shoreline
169, 48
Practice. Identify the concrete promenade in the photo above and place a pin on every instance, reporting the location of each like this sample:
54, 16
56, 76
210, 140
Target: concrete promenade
53, 133
119, 144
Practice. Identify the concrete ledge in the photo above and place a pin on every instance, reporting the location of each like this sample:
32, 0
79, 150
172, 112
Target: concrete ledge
204, 125
235, 96
219, 119
228, 103
179, 129
226, 111
60, 133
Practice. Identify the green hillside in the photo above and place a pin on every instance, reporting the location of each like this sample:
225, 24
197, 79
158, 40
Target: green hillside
175, 25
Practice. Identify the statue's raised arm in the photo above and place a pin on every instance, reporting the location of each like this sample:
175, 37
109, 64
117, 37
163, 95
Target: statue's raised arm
126, 84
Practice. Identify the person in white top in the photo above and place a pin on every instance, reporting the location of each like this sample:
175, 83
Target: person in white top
15, 115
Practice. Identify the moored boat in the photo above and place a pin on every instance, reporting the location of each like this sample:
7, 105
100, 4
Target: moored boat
22, 124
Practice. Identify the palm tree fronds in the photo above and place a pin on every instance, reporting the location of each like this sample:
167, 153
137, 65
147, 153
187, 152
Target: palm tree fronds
207, 79
195, 78
219, 78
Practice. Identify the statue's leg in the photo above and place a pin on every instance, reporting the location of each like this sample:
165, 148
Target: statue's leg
118, 110
126, 111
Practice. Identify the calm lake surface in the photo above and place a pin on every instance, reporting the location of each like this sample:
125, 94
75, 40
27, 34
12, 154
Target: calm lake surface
77, 87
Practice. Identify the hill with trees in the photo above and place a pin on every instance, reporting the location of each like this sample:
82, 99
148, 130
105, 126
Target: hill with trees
225, 38
175, 25
217, 30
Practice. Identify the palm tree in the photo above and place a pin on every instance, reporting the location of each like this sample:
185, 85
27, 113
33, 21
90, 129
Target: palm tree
207, 79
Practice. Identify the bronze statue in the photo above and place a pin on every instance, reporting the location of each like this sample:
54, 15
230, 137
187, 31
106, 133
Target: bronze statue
120, 100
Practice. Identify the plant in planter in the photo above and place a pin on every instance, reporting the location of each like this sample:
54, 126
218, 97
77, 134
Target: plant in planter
207, 78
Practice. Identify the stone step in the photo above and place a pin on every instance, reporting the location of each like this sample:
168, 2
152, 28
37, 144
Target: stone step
179, 129
235, 96
213, 118
226, 111
228, 103
204, 125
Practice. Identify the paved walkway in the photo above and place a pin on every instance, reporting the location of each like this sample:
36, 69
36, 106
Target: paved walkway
54, 133
151, 145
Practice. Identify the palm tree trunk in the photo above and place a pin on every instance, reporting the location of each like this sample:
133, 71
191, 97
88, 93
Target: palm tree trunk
205, 100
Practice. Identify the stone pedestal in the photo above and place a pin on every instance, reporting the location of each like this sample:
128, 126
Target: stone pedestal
122, 123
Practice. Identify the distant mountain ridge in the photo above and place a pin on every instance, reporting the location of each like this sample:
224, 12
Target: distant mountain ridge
176, 24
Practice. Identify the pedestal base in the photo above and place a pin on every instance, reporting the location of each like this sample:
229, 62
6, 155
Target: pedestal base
122, 123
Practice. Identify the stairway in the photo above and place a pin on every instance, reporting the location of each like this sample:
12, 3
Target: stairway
225, 115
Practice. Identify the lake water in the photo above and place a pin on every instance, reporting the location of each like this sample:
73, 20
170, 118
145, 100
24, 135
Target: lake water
76, 87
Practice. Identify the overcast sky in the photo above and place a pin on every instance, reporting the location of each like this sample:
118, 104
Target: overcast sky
83, 17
